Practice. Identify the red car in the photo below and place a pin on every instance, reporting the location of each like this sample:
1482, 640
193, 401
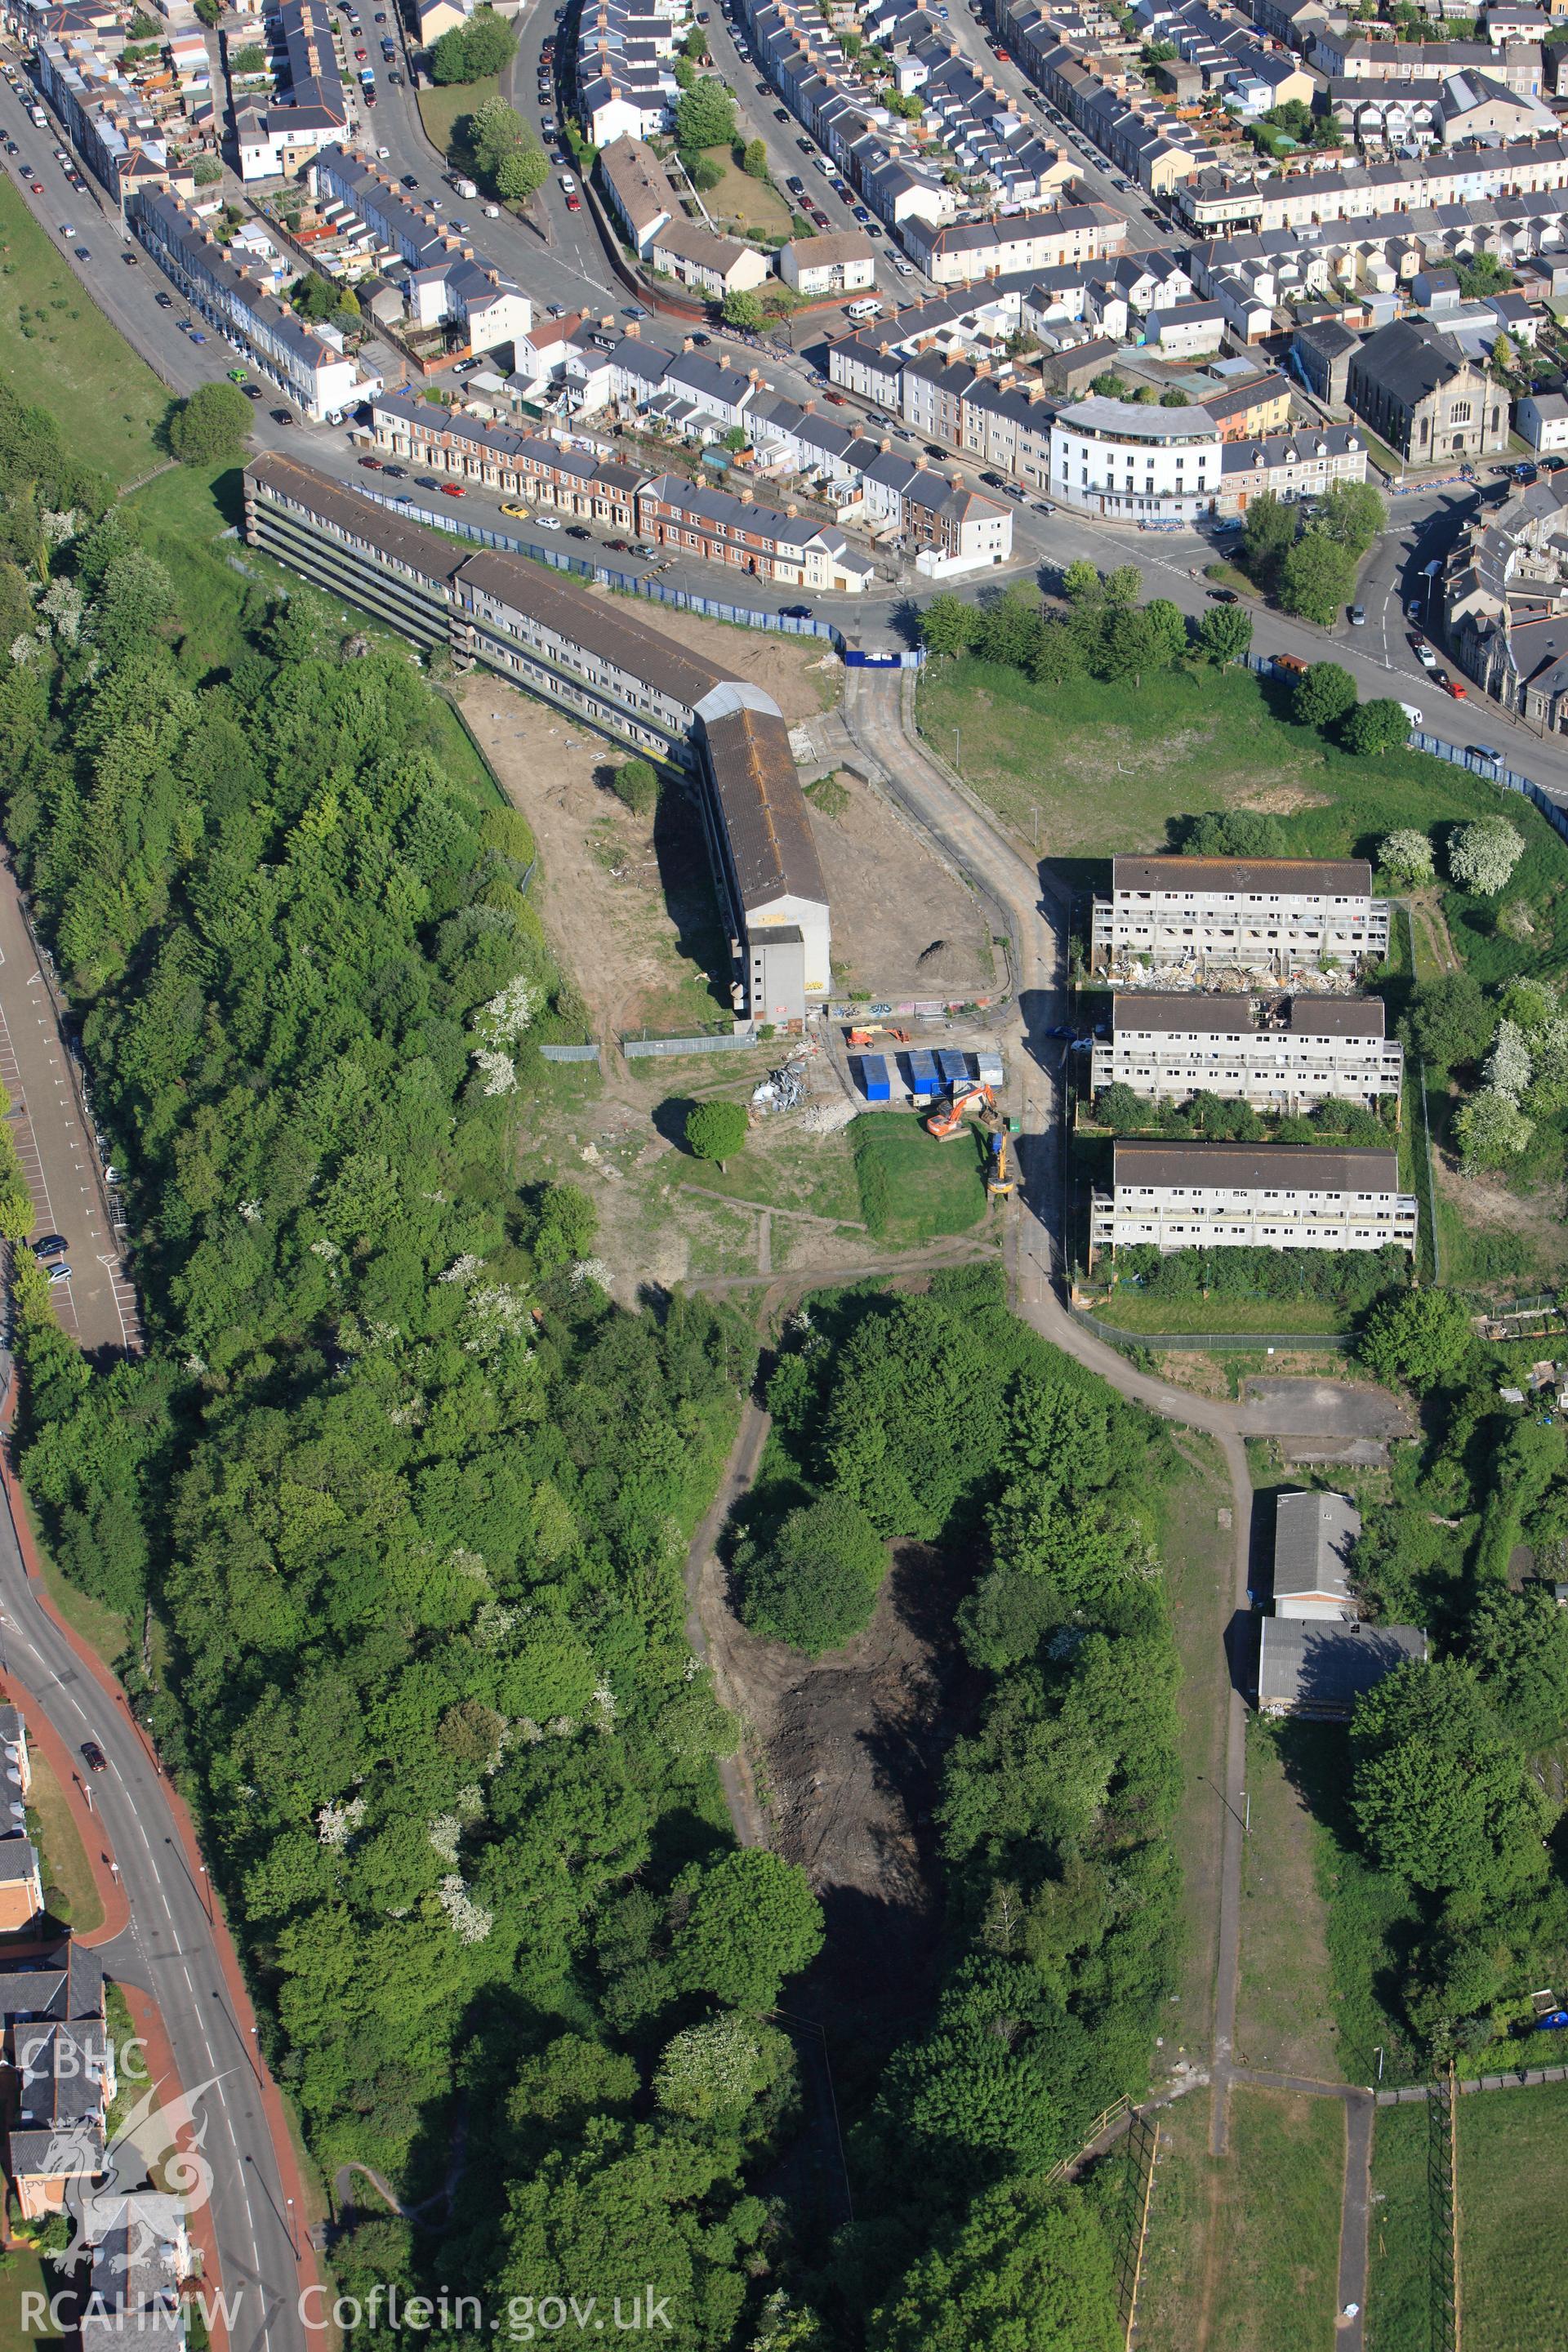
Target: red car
453, 490
573, 203
1456, 689
37, 186
370, 465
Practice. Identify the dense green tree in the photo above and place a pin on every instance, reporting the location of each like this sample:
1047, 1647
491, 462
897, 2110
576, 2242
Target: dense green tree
1234, 832
742, 308
212, 424
752, 1921
1317, 576
1451, 1024
815, 1584
1353, 513
705, 117
1325, 694
1269, 528
1423, 1339
1225, 635
1375, 728
636, 782
754, 159
947, 624
716, 1130
1438, 1790
1517, 1643
1030, 2271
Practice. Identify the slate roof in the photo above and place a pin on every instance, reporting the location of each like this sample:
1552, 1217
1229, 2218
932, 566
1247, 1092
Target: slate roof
1314, 1535
1259, 1167
1348, 878
765, 809
1316, 1667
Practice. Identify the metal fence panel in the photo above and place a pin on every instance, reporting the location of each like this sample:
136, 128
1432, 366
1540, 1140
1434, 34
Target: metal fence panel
570, 1053
1222, 1341
725, 1043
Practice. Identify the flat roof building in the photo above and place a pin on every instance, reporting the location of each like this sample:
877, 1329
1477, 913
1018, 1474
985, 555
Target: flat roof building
1266, 914
1275, 1196
1280, 1055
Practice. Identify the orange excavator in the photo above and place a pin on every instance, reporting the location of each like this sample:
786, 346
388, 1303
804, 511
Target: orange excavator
971, 1101
864, 1036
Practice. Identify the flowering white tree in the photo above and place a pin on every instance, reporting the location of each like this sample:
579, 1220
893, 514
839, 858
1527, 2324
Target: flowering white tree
1492, 1129
719, 2066
1482, 856
499, 1069
506, 1018
1407, 854
1508, 1066
471, 1923
496, 1314
335, 1824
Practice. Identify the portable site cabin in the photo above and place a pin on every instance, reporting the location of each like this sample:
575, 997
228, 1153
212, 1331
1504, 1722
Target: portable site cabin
988, 1069
955, 1067
925, 1079
874, 1078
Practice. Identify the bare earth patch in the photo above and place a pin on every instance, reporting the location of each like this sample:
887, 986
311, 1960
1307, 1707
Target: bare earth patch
902, 924
1282, 800
803, 675
851, 1748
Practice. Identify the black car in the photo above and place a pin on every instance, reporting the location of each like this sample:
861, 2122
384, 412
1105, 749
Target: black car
397, 472
794, 612
781, 114
411, 179
253, 392
575, 531
82, 254
51, 1245
164, 301
795, 184
93, 1757
1224, 596
425, 482
805, 146
282, 416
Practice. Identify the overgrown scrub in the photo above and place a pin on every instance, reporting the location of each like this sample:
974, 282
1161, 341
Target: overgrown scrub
935, 1417
410, 1493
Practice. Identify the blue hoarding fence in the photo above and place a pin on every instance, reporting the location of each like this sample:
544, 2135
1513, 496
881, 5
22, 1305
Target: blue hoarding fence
629, 584
855, 659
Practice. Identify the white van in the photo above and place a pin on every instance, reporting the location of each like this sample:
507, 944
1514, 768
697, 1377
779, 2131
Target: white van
1416, 717
869, 306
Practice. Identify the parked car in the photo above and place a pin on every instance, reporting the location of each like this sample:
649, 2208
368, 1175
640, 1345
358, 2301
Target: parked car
1042, 506
425, 482
781, 114
58, 1273
253, 392
1454, 685
370, 465
453, 490
872, 229
196, 336
131, 260
1424, 655
510, 507
794, 612
576, 530
282, 416
397, 472
410, 179
548, 522
618, 546
1224, 596
905, 268
48, 1245
573, 203
1357, 616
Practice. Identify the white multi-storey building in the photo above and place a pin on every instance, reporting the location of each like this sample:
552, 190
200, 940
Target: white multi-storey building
1268, 912
1277, 1057
1253, 1195
1115, 458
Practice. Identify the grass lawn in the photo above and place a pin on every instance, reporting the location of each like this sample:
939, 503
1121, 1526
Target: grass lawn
1194, 1551
1513, 2185
913, 1189
1243, 2252
782, 1167
1132, 1310
72, 1895
747, 205
59, 351
440, 108
1285, 2006
103, 1629
22, 2273
1399, 2300
1110, 766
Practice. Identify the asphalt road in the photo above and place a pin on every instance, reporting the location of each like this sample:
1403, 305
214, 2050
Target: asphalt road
55, 1144
171, 1950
